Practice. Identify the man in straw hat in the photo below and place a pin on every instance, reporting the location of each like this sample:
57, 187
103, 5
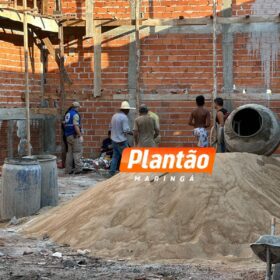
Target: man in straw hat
74, 139
119, 131
145, 129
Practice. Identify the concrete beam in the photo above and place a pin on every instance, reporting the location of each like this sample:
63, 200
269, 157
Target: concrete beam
191, 97
206, 29
20, 113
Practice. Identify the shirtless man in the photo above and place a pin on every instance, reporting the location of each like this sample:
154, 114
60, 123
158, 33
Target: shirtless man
200, 120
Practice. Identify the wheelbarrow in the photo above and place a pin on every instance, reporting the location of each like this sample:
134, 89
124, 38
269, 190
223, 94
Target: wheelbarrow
267, 248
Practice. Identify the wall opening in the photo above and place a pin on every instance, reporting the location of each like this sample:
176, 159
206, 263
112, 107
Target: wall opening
247, 122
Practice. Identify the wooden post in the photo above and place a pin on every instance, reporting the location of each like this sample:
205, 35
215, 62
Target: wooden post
97, 59
26, 78
10, 138
61, 68
89, 18
44, 7
137, 52
43, 73
15, 4
35, 6
214, 95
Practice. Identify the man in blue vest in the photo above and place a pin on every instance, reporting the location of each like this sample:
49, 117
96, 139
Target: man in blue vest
74, 138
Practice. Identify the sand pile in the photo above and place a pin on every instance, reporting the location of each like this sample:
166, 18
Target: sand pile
212, 216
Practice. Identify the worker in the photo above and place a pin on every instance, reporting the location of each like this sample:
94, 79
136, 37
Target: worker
107, 147
119, 131
145, 129
74, 138
200, 120
65, 145
156, 118
221, 117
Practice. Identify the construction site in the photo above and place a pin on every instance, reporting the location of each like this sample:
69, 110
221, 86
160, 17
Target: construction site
67, 67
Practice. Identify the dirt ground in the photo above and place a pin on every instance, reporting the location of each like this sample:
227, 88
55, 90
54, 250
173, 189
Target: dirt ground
25, 258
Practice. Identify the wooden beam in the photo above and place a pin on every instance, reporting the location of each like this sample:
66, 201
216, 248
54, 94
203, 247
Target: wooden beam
89, 18
137, 53
26, 78
61, 68
50, 47
97, 59
38, 21
45, 7
35, 6
47, 42
42, 73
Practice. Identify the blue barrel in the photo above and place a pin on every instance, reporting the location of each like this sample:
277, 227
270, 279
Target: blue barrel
20, 188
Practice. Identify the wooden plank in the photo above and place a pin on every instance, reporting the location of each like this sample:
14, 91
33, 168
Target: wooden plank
97, 59
215, 81
89, 18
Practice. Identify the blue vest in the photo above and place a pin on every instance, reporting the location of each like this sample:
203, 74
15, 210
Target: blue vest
69, 125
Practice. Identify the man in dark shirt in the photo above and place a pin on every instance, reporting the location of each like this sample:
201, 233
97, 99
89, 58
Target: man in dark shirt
221, 116
200, 120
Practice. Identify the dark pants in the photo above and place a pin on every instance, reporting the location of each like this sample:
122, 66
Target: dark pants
117, 154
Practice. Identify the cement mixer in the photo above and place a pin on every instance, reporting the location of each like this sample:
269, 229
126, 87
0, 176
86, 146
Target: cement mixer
252, 128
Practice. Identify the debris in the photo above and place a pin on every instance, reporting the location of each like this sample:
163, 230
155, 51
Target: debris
27, 253
1, 254
45, 236
57, 255
82, 262
83, 252
14, 221
69, 264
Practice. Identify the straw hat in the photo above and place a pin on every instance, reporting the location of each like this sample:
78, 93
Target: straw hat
125, 106
76, 104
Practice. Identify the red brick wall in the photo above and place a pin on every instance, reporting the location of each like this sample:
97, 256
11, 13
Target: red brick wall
179, 62
150, 8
